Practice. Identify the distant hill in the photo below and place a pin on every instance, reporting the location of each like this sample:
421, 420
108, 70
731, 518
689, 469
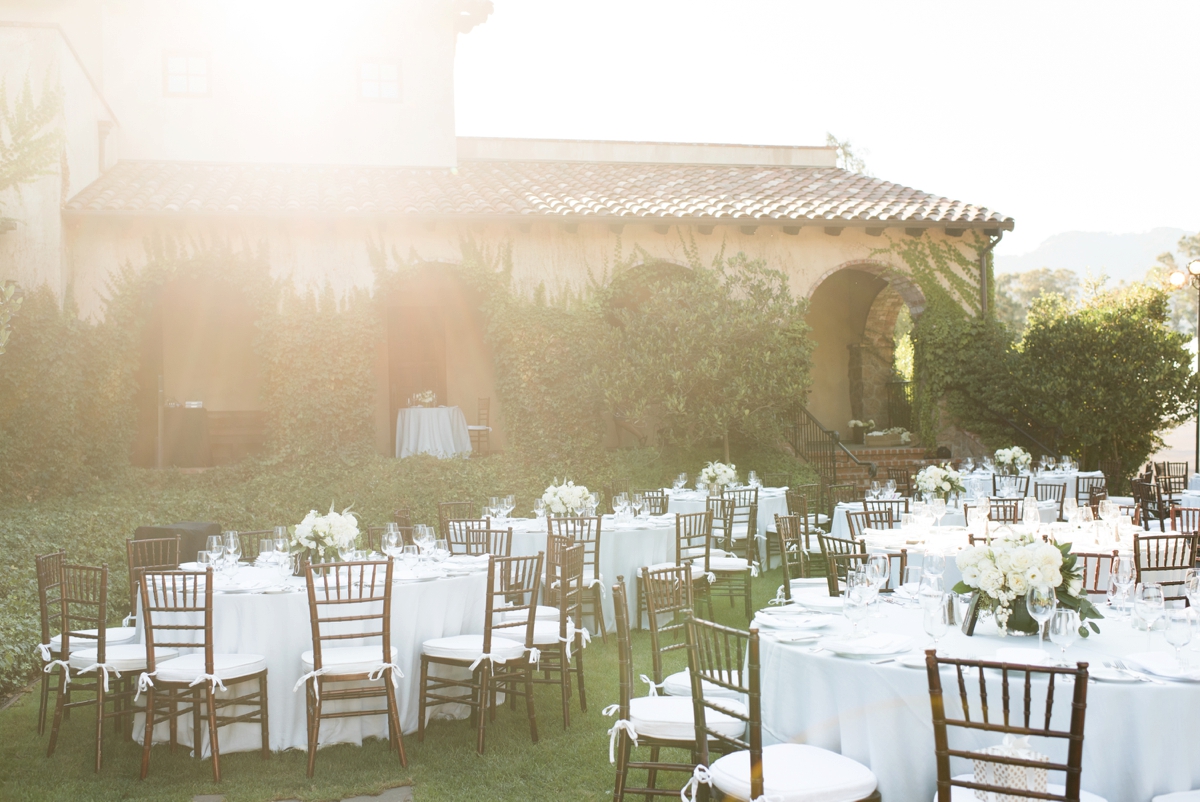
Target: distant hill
1123, 257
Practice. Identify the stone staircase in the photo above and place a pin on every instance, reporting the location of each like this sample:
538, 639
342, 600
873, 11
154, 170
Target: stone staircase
850, 472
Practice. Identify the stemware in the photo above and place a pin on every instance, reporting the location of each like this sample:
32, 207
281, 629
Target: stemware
934, 562
911, 583
681, 481
203, 559
494, 507
216, 549
1179, 630
936, 616
539, 509
854, 605
409, 555
391, 542
1083, 515
233, 547
1040, 601
266, 550
637, 501
510, 503
752, 479
938, 507
441, 551
1064, 630
890, 488
1109, 510
1125, 573
1031, 516
1150, 606
281, 540
931, 590
879, 570
1191, 587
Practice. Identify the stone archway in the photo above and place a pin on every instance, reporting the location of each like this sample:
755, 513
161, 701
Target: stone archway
853, 310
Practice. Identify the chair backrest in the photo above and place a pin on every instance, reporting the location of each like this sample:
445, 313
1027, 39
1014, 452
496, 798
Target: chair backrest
833, 547
342, 593
1021, 483
1177, 473
1164, 559
1084, 485
402, 516
570, 589
693, 537
732, 517
1185, 520
156, 554
555, 546
84, 607
1051, 491
453, 511
1148, 497
811, 492
250, 540
903, 479
483, 412
1111, 468
668, 592
862, 520
979, 715
50, 579
513, 585
1005, 510
479, 540
842, 494
727, 658
1089, 565
580, 530
172, 601
793, 550
624, 647
657, 502
897, 506
1095, 496
456, 528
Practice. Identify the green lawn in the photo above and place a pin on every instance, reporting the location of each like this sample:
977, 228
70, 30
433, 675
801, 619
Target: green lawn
564, 765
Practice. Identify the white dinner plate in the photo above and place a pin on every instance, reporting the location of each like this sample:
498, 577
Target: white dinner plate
1162, 664
794, 622
248, 586
912, 660
1103, 674
822, 602
196, 568
798, 636
874, 645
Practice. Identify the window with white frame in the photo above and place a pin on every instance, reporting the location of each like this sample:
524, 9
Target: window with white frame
186, 74
379, 80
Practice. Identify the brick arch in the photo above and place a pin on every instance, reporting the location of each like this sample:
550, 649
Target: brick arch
901, 283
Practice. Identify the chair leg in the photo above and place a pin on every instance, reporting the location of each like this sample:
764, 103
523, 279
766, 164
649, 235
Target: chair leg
564, 683
99, 719
148, 734
530, 709
197, 729
485, 675
622, 766
394, 720
314, 723
641, 599
421, 700
652, 776
42, 705
264, 714
748, 593
598, 601
59, 705
212, 732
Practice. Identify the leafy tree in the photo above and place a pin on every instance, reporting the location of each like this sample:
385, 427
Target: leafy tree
1016, 291
1183, 302
847, 158
704, 352
1108, 372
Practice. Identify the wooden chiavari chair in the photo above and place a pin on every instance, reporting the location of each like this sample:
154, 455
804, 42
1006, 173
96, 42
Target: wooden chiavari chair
903, 479
338, 594
726, 658
49, 578
481, 431
646, 716
497, 658
842, 494
979, 716
479, 540
732, 574
177, 686
156, 554
861, 520
898, 506
693, 544
587, 532
745, 518
668, 593
1151, 507
835, 572
559, 643
1185, 520
815, 504
1084, 486
1164, 559
1089, 564
453, 511
1004, 510
249, 541
1051, 491
402, 517
796, 555
657, 502
1022, 484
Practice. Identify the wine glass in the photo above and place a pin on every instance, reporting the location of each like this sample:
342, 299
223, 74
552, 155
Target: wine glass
890, 488
968, 465
854, 604
911, 584
1083, 515
1191, 588
1064, 629
681, 481
266, 550
1124, 572
539, 509
1031, 516
215, 549
1149, 604
637, 501
510, 504
410, 555
1179, 630
281, 540
1040, 601
879, 570
931, 590
441, 551
752, 479
233, 547
934, 562
1109, 510
493, 508
391, 542
936, 617
938, 507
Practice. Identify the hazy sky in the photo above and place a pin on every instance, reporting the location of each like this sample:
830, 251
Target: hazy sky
1064, 115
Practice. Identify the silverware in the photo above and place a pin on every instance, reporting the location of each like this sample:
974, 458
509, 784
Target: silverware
884, 660
1119, 665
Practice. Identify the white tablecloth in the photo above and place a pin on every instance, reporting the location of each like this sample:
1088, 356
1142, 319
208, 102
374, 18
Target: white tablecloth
1139, 737
1069, 478
277, 627
441, 431
953, 517
625, 547
772, 501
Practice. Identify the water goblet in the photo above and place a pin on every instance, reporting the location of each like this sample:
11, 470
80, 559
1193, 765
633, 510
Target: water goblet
1031, 516
911, 582
391, 542
968, 465
637, 501
203, 559
879, 570
409, 556
441, 551
752, 479
890, 488
539, 509
1064, 630
1125, 571
233, 548
281, 539
934, 562
681, 481
266, 550
216, 549
854, 605
1191, 587
1084, 515
936, 618
1040, 601
931, 590
1109, 510
510, 504
1149, 604
1179, 630
938, 507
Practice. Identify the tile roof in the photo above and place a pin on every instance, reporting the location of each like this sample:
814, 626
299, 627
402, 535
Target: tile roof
512, 190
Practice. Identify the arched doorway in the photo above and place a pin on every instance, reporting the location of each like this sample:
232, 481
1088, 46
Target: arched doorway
853, 313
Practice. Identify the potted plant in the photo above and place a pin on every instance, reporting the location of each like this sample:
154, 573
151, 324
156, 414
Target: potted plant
858, 428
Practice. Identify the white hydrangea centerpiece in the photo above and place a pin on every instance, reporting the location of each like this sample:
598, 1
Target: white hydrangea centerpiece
718, 474
426, 398
940, 480
1002, 572
325, 535
562, 499
1013, 460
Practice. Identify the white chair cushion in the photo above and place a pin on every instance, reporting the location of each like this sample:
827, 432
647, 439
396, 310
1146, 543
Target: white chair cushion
346, 659
1180, 796
123, 657
226, 666
541, 613
795, 773
545, 633
728, 564
589, 578
818, 518
670, 718
469, 647
967, 795
113, 636
738, 532
680, 684
697, 569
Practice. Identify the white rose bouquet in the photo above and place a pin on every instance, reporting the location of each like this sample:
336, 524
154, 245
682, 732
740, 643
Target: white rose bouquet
560, 499
718, 474
1013, 460
940, 480
428, 398
1004, 570
332, 532
862, 424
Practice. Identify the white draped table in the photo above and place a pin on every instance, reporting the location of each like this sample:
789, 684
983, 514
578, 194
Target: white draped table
440, 431
983, 479
276, 625
1140, 737
772, 501
1048, 510
626, 546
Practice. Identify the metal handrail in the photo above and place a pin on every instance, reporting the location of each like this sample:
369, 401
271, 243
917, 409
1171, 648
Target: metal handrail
1030, 438
819, 446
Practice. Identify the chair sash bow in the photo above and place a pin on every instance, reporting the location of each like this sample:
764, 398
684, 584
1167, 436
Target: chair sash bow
700, 776
65, 666
212, 679
47, 654
144, 684
103, 668
535, 656
129, 620
391, 669
779, 597
653, 686
486, 656
311, 675
618, 725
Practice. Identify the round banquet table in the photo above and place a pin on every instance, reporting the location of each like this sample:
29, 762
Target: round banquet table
276, 625
1139, 737
440, 431
983, 479
625, 547
772, 501
1048, 510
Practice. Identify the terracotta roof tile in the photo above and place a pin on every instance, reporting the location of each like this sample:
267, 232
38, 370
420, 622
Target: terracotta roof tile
745, 194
